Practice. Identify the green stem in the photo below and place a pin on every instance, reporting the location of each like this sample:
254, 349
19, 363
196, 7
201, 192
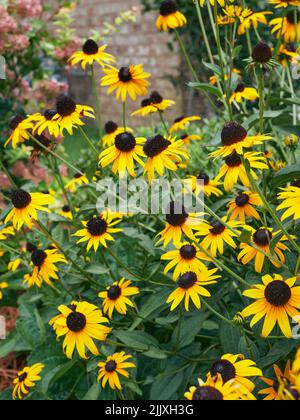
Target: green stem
203, 29
97, 100
122, 265
88, 141
186, 57
124, 116
163, 122
179, 327
8, 174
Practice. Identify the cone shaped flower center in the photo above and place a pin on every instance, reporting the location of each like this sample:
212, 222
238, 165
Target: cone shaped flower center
187, 280
188, 252
262, 53
291, 17
168, 7
66, 209
97, 226
125, 142
156, 145
111, 366
296, 183
65, 106
23, 377
262, 237
15, 121
110, 127
207, 393
114, 292
176, 214
233, 160
217, 228
49, 114
204, 177
125, 74
242, 200
90, 47
224, 368
233, 133
278, 293
156, 98
20, 199
38, 257
76, 321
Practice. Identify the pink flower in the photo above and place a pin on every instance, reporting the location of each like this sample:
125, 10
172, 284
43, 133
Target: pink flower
26, 8
7, 23
18, 42
63, 54
47, 90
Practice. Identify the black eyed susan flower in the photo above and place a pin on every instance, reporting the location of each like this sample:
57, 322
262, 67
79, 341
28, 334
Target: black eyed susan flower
145, 109
78, 180
111, 131
27, 379
187, 138
114, 366
290, 392
214, 389
296, 363
25, 207
159, 102
98, 231
45, 267
3, 285
182, 122
190, 285
204, 184
20, 130
286, 27
212, 2
163, 154
14, 264
268, 154
242, 92
276, 300
286, 54
235, 139
234, 367
69, 115
179, 223
217, 234
284, 3
170, 17
262, 239
126, 81
81, 323
6, 231
126, 150
243, 206
213, 80
187, 257
91, 53
45, 123
66, 212
277, 165
234, 169
282, 378
117, 297
249, 19
290, 201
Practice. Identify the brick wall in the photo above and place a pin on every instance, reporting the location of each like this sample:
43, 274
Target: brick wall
134, 43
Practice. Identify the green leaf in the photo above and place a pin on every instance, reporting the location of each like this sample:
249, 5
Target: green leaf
164, 387
97, 269
230, 337
93, 393
213, 90
278, 352
286, 175
139, 340
152, 305
189, 329
213, 67
56, 373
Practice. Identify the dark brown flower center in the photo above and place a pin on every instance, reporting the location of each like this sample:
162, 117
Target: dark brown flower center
114, 292
23, 377
188, 252
242, 200
187, 280
90, 47
291, 17
204, 177
233, 133
146, 102
30, 247
262, 53
179, 119
262, 237
45, 141
20, 199
125, 74
15, 121
224, 368
125, 142
97, 226
78, 175
66, 209
207, 393
49, 114
168, 7
65, 106
278, 293
110, 127
76, 321
38, 257
296, 183
233, 160
176, 214
217, 228
155, 145
290, 389
156, 98
240, 88
111, 366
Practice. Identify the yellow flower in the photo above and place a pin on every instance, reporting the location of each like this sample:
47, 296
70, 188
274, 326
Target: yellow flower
286, 54
203, 183
44, 122
20, 127
81, 323
234, 367
3, 285
45, 268
25, 207
182, 122
212, 2
272, 392
97, 231
235, 139
69, 115
112, 130
78, 180
162, 154
234, 169
187, 257
126, 150
243, 92
276, 300
277, 165
214, 389
170, 17
14, 264
291, 201
26, 379
284, 3
285, 26
190, 285
216, 234
154, 103
242, 206
249, 18
117, 297
262, 239
187, 138
91, 53
179, 223
66, 212
126, 81
6, 231
114, 366
213, 80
